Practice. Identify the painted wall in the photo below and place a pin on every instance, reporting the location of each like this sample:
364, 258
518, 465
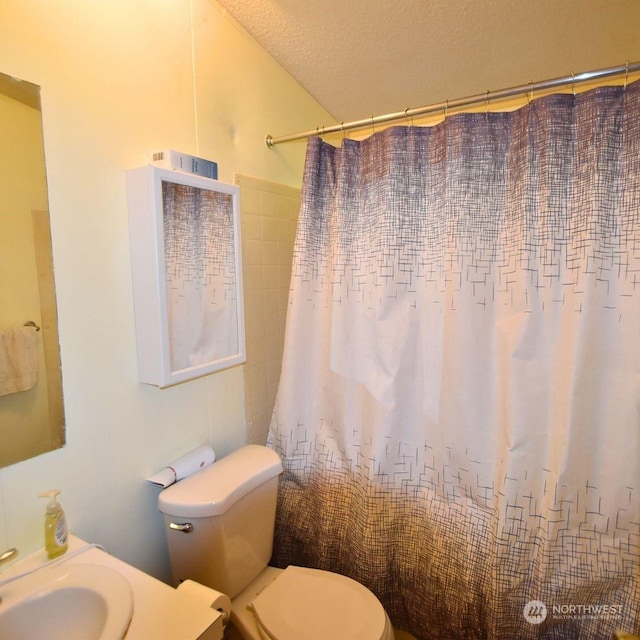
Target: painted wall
119, 80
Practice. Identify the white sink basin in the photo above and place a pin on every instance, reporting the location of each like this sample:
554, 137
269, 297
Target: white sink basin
67, 602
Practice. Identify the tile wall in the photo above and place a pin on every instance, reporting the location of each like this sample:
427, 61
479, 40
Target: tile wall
269, 212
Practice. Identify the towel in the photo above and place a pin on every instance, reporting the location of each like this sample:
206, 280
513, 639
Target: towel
18, 360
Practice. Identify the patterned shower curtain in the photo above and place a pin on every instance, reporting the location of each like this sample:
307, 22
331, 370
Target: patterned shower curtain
459, 406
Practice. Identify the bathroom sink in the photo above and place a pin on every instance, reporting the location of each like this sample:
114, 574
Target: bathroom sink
67, 602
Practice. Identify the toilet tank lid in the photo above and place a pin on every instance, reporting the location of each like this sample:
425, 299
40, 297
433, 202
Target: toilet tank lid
214, 489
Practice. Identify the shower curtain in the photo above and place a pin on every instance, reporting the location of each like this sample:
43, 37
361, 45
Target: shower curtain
459, 405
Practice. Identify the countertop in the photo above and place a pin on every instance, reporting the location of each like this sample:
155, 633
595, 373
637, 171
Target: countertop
159, 611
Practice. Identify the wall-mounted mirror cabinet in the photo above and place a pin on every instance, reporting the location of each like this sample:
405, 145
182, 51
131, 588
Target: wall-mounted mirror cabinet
31, 406
187, 274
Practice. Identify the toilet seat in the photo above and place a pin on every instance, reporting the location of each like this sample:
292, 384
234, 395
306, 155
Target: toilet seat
311, 604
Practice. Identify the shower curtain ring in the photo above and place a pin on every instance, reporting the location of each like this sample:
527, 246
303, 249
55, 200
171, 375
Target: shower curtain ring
446, 108
573, 83
626, 75
530, 97
486, 104
373, 126
408, 118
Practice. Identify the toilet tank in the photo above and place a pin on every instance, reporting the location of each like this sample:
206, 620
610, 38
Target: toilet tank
219, 522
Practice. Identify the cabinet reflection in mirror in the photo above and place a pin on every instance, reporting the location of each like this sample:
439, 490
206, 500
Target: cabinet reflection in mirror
31, 406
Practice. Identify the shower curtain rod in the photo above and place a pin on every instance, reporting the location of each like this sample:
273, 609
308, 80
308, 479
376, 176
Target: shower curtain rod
531, 87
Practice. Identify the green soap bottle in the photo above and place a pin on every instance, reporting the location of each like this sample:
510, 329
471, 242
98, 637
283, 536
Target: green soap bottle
55, 526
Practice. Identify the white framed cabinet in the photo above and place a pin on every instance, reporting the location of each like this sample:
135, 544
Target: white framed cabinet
187, 274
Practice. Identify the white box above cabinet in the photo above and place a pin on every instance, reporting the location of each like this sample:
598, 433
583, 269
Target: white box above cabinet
187, 274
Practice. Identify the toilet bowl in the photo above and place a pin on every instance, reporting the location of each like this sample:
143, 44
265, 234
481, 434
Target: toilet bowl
219, 525
308, 604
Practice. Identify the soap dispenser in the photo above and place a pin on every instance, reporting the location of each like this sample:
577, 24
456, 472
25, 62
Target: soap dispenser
55, 525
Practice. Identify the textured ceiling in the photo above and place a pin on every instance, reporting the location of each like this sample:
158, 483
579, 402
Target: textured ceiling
359, 58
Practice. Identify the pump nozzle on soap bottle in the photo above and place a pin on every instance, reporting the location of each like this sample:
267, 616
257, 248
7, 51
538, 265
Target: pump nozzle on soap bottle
55, 525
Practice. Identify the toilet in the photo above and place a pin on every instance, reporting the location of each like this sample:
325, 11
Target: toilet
219, 525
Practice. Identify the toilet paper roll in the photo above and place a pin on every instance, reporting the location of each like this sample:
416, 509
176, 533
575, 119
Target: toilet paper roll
212, 598
186, 465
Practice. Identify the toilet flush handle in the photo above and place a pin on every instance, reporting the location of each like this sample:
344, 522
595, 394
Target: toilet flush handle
187, 527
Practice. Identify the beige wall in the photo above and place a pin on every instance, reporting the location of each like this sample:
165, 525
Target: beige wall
119, 80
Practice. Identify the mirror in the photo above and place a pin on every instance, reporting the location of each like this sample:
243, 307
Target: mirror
31, 405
